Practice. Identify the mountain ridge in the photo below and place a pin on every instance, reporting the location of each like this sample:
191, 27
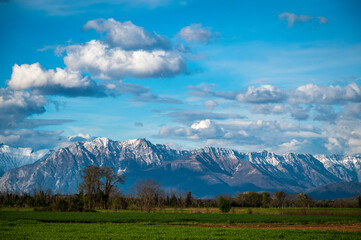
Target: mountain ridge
206, 171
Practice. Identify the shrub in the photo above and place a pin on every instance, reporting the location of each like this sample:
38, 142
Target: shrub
61, 205
224, 205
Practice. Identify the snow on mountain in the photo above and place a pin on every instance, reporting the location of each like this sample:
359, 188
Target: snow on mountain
206, 172
347, 168
16, 157
61, 170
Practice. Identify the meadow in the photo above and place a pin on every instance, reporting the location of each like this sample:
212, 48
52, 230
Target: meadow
175, 218
168, 224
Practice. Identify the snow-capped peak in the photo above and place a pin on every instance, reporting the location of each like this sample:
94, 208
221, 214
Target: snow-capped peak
102, 140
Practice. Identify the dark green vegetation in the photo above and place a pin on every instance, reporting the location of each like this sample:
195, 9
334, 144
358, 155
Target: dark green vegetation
138, 225
99, 190
224, 205
174, 218
39, 230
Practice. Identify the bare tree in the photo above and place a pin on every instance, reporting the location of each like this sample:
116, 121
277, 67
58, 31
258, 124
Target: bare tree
99, 182
266, 199
148, 193
91, 184
280, 198
110, 180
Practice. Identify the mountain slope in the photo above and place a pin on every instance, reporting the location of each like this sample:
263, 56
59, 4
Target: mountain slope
61, 170
336, 190
16, 157
206, 172
347, 168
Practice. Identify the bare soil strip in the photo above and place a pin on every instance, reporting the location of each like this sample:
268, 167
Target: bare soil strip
336, 227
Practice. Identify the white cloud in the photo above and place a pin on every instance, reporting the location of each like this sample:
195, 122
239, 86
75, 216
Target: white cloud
104, 62
201, 124
25, 138
72, 83
293, 146
9, 139
311, 93
280, 136
127, 36
344, 136
299, 113
291, 18
262, 94
80, 137
196, 33
28, 76
15, 106
210, 104
353, 110
268, 109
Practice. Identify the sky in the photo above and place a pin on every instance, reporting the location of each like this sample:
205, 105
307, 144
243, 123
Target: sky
281, 76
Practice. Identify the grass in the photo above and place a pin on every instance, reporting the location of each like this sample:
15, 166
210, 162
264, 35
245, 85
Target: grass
39, 230
289, 211
174, 218
165, 225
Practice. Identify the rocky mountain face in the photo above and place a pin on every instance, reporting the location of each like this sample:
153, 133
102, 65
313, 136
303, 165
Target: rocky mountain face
206, 172
16, 157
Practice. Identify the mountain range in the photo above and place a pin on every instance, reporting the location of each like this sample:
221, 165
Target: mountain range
206, 172
11, 157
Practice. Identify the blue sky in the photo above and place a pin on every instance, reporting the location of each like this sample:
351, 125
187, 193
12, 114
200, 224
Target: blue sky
283, 76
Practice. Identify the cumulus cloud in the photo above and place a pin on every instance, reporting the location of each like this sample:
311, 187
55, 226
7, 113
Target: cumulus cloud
74, 84
196, 33
210, 104
353, 110
201, 124
311, 93
325, 113
337, 106
292, 18
127, 36
344, 136
268, 109
25, 138
15, 106
274, 135
262, 94
17, 130
80, 137
199, 130
299, 113
304, 94
104, 62
293, 146
52, 82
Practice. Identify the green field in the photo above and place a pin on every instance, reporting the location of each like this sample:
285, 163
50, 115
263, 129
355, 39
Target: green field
186, 218
38, 230
137, 225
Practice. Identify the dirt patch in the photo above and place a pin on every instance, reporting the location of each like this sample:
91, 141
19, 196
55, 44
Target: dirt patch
336, 227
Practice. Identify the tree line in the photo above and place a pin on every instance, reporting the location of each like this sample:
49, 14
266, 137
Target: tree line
99, 190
